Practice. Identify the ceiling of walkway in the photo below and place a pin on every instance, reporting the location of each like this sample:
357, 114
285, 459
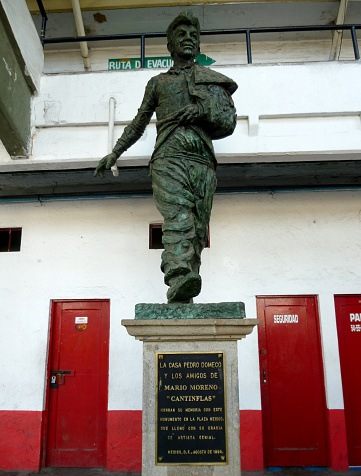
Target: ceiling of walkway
106, 17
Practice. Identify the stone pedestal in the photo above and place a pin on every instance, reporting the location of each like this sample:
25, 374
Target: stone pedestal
190, 332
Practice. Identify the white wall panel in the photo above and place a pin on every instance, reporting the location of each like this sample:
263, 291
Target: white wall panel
283, 110
261, 244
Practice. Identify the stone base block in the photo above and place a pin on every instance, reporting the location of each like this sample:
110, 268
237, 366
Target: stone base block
149, 466
190, 328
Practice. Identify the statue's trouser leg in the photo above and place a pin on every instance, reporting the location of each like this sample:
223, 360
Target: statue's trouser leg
183, 193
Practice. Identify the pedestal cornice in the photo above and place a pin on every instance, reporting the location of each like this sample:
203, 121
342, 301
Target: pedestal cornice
189, 329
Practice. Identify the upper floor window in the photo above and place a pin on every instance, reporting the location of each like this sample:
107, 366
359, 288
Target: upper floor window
10, 239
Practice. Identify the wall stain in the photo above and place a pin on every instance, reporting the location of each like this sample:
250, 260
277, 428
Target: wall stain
99, 17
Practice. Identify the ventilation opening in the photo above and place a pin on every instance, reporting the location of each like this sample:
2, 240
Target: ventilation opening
10, 239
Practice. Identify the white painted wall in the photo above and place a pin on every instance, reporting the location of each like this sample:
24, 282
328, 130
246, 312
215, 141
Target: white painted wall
4, 155
26, 37
283, 111
261, 244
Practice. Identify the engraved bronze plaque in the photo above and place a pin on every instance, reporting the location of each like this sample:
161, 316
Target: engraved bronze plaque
191, 408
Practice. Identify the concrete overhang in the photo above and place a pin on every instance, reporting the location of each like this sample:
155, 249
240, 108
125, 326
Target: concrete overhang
136, 181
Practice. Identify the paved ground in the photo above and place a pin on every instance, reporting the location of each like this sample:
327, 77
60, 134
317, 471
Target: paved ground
101, 472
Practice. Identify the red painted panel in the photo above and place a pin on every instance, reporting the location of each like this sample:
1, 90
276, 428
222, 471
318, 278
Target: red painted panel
251, 440
291, 382
124, 451
348, 317
20, 440
78, 407
337, 440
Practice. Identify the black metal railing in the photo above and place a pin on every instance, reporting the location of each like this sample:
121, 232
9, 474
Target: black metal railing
231, 31
43, 22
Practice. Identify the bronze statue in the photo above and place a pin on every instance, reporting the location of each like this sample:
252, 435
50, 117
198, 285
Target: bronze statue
193, 105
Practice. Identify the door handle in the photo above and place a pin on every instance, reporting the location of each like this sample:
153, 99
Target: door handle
63, 372
264, 376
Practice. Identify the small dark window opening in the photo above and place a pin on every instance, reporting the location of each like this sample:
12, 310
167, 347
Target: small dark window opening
156, 234
10, 239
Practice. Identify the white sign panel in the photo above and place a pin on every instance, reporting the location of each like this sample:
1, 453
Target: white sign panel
285, 319
81, 320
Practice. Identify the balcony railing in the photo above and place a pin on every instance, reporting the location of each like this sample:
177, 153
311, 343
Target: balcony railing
231, 31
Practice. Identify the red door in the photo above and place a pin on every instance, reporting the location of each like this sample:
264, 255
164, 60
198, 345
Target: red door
292, 387
348, 318
78, 396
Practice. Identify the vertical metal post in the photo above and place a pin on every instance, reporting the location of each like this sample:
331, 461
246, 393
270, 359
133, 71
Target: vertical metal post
354, 42
43, 22
249, 52
142, 52
43, 28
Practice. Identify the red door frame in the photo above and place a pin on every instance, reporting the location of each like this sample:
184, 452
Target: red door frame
262, 345
45, 420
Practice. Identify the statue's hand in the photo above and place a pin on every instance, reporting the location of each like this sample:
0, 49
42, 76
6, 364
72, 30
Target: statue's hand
105, 164
190, 113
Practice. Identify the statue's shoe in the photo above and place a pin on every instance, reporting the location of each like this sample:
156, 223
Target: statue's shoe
185, 288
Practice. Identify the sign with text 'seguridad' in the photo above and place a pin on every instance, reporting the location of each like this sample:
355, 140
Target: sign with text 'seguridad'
122, 64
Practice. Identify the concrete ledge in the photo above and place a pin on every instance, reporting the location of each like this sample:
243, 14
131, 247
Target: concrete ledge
135, 180
189, 329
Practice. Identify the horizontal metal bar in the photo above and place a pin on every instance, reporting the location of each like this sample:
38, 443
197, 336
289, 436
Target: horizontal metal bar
282, 29
275, 29
129, 36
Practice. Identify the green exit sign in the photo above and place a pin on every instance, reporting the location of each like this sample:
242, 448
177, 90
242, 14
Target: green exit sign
155, 62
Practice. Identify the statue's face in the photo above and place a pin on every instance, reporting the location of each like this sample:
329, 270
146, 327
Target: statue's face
185, 42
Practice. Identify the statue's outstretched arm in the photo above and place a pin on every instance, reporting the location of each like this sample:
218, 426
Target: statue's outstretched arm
132, 132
